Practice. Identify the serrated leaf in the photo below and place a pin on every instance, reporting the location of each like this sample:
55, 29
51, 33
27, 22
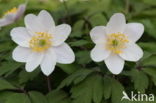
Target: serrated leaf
76, 77
82, 93
139, 79
89, 89
113, 89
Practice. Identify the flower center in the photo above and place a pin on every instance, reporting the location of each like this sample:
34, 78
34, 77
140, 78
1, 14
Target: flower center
40, 42
116, 42
11, 11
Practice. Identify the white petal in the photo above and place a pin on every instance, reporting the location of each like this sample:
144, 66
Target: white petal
21, 54
60, 34
115, 64
32, 23
64, 53
8, 19
116, 23
99, 53
33, 61
21, 36
132, 52
46, 19
134, 31
98, 34
21, 10
49, 62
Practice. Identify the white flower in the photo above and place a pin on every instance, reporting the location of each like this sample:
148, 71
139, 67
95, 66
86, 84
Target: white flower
116, 42
12, 15
42, 43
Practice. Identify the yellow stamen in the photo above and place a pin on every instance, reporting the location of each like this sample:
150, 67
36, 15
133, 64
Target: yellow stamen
116, 42
11, 11
40, 42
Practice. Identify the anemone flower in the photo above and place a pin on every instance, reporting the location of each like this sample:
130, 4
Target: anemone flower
42, 43
116, 43
12, 15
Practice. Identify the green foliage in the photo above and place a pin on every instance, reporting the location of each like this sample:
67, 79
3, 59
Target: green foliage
75, 77
5, 85
94, 88
139, 79
57, 96
151, 72
37, 97
18, 98
69, 68
83, 81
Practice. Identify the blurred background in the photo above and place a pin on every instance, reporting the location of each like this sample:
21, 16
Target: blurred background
84, 81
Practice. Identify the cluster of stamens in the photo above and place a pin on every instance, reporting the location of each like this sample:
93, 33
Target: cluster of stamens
116, 42
11, 11
40, 42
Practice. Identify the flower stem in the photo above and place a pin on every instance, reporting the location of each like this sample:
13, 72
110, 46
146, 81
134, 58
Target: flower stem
49, 83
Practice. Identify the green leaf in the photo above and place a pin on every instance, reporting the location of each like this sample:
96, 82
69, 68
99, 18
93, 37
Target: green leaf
117, 90
98, 19
75, 78
113, 89
89, 89
83, 92
150, 27
9, 67
5, 85
26, 76
5, 47
83, 57
79, 43
107, 87
68, 68
140, 80
4, 96
152, 73
77, 29
58, 96
98, 88
151, 2
150, 61
18, 98
37, 97
148, 46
